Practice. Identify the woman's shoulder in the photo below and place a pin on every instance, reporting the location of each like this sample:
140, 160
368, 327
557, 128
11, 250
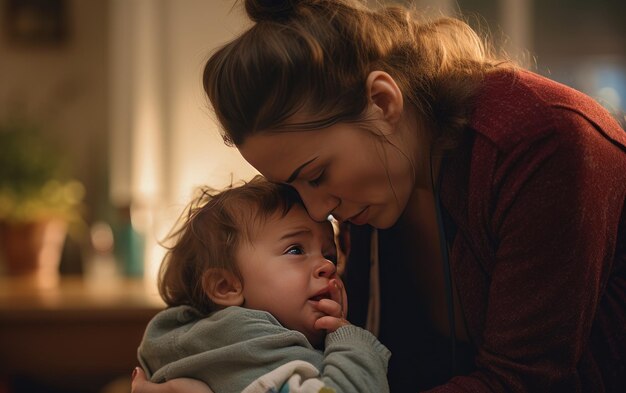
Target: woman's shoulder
513, 106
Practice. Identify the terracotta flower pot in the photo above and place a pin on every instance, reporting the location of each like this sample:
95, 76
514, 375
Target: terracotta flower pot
33, 249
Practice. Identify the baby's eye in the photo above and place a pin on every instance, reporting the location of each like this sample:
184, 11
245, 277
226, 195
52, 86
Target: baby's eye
295, 250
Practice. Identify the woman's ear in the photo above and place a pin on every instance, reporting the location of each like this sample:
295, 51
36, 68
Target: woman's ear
385, 97
223, 287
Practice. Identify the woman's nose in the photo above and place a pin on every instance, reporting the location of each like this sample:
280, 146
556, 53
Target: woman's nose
325, 269
319, 205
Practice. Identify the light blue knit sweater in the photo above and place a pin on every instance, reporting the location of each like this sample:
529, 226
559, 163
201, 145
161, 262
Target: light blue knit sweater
231, 348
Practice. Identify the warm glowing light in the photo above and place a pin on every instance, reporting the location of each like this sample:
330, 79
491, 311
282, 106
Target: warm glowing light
610, 96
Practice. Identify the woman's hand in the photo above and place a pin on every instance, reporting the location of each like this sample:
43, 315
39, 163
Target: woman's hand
140, 384
335, 308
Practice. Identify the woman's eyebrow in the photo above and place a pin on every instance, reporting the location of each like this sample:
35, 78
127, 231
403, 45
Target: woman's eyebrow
295, 173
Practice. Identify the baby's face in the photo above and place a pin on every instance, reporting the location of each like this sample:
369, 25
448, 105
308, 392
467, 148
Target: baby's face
286, 269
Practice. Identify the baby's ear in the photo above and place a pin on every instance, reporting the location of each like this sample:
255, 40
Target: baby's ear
223, 287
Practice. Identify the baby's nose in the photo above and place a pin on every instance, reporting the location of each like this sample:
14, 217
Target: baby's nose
326, 269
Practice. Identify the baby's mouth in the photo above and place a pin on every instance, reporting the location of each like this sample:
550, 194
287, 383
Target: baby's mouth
320, 296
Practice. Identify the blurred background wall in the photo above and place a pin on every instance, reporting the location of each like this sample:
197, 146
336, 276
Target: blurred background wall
58, 76
119, 90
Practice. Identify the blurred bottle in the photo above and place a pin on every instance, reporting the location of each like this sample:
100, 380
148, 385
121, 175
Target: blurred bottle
129, 244
101, 264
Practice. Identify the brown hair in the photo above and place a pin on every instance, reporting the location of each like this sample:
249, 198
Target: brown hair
208, 233
315, 55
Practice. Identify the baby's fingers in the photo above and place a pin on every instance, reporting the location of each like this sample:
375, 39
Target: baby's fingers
338, 294
330, 307
330, 324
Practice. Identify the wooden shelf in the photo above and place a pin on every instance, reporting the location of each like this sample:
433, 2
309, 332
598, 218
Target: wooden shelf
73, 330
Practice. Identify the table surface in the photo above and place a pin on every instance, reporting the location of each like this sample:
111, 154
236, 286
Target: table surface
24, 296
75, 330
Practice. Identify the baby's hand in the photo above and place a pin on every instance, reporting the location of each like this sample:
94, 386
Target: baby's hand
335, 308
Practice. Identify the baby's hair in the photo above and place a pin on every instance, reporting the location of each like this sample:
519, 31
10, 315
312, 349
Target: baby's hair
209, 232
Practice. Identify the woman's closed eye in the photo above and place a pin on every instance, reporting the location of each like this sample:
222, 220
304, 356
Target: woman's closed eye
318, 180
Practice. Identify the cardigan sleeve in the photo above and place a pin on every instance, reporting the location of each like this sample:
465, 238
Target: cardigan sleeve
553, 225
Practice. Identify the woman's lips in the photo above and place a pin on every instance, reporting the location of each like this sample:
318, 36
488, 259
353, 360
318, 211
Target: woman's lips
361, 218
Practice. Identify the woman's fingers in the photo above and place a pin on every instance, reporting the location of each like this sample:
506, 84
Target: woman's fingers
140, 384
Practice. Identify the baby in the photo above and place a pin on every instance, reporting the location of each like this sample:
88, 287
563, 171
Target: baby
255, 302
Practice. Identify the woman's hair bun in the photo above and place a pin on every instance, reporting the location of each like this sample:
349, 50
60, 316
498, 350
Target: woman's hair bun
270, 10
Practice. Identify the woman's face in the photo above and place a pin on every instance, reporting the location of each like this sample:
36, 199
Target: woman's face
344, 170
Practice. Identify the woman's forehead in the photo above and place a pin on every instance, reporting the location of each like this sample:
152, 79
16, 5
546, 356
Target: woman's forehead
278, 155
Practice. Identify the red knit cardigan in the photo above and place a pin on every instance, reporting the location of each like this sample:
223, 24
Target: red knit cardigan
539, 248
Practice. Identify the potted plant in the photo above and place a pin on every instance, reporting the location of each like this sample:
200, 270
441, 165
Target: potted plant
37, 200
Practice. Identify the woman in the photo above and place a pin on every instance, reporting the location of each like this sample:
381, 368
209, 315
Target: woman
487, 201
